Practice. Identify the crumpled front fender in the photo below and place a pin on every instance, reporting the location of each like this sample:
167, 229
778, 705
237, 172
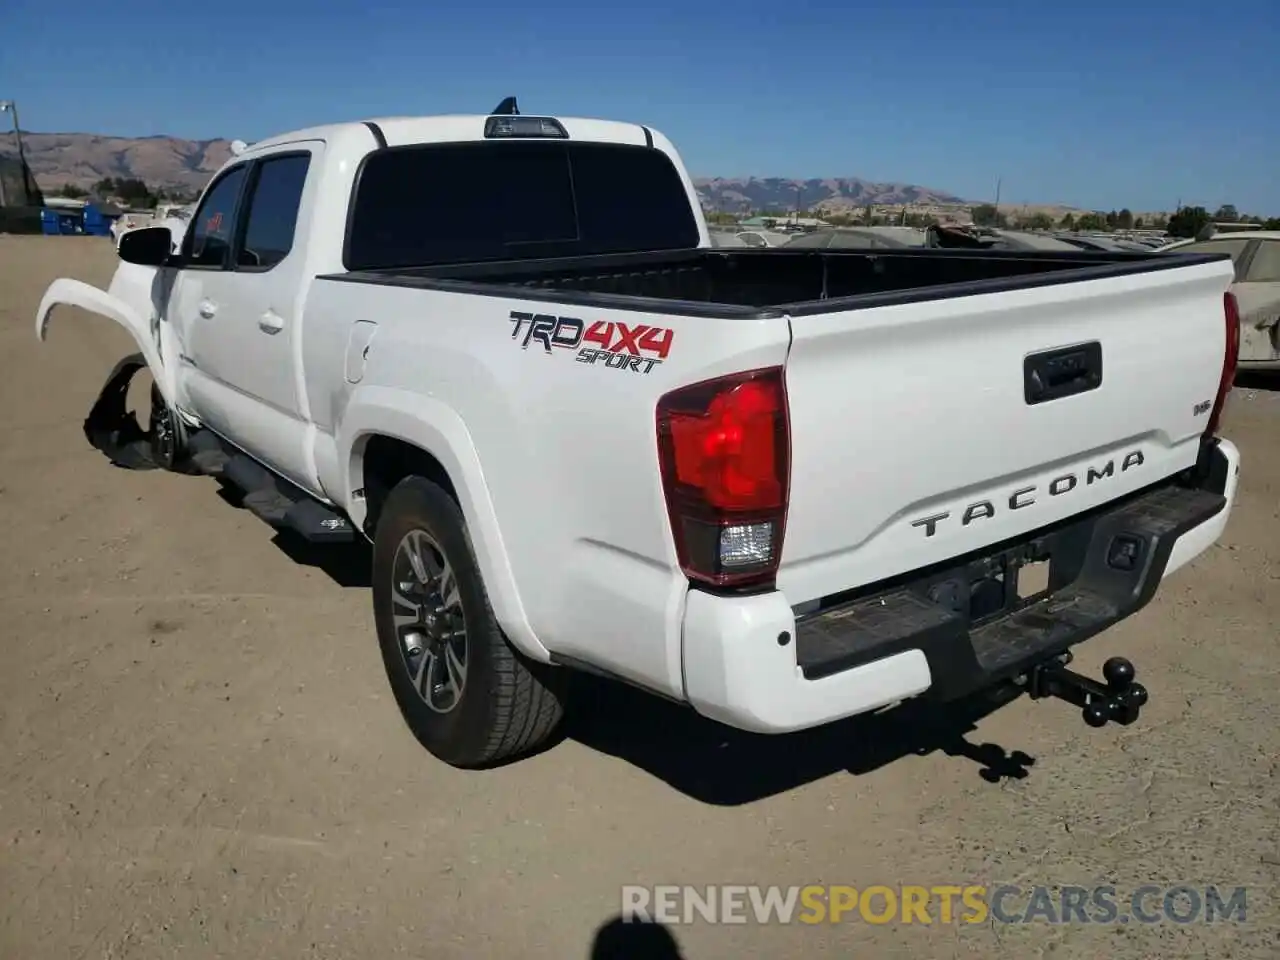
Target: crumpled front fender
75, 293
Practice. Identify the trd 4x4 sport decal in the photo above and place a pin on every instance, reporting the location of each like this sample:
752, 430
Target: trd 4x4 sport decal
638, 348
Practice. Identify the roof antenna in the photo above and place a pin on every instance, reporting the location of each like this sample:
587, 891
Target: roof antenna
507, 108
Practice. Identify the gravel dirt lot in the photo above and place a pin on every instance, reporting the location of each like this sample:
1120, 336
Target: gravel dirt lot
199, 755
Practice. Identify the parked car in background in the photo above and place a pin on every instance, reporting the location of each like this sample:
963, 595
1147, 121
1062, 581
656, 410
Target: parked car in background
747, 238
1026, 240
991, 238
1256, 255
1106, 244
130, 220
859, 238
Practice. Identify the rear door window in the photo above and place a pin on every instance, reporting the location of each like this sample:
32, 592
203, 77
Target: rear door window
273, 211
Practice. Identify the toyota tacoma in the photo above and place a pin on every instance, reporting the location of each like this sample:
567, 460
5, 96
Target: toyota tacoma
781, 486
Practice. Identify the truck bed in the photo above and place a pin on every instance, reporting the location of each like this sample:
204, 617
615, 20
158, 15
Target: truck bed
930, 414
756, 282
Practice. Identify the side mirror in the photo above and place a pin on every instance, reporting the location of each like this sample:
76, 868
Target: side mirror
147, 247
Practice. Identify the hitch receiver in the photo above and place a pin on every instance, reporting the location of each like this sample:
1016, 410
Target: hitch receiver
1120, 698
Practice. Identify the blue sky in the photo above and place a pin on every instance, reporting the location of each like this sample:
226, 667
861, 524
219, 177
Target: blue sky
1133, 103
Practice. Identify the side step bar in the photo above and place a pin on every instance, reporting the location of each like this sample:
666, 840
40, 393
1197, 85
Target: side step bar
266, 495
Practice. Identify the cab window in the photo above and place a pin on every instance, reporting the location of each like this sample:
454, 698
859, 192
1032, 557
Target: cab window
514, 200
209, 237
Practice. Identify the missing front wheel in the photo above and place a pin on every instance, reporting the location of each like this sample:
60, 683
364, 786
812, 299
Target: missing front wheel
112, 427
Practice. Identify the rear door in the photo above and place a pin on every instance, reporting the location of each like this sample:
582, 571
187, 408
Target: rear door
918, 433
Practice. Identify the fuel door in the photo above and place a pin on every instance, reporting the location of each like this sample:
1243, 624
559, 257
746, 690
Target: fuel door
359, 342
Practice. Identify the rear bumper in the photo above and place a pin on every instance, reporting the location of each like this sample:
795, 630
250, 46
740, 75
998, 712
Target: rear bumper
750, 664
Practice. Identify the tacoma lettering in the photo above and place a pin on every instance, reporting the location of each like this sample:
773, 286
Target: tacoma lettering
1025, 496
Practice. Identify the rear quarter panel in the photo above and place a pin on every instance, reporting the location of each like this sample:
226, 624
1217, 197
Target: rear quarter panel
566, 449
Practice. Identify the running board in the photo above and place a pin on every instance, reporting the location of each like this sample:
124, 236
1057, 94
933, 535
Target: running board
266, 495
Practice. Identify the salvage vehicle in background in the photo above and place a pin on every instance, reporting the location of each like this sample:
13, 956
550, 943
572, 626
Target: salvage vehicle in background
746, 238
1092, 242
1255, 255
781, 486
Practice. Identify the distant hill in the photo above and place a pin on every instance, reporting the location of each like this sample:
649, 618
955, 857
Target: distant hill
836, 195
82, 159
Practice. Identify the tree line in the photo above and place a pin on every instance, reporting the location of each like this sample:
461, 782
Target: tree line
1186, 222
130, 191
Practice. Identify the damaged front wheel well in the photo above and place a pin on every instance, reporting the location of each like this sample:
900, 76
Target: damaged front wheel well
112, 428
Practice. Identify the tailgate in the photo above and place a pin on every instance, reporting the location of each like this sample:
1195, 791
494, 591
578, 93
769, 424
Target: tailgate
913, 441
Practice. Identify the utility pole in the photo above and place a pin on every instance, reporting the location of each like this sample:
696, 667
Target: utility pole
12, 107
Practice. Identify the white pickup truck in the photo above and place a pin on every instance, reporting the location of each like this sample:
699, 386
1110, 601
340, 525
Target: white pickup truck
783, 487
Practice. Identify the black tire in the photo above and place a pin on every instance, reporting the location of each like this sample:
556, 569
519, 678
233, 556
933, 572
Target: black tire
507, 705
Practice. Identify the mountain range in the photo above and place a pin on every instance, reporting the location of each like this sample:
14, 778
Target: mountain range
836, 195
82, 159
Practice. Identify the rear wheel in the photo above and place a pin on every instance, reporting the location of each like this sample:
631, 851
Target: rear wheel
467, 695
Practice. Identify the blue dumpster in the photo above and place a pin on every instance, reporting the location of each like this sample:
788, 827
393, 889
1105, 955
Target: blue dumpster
97, 222
61, 222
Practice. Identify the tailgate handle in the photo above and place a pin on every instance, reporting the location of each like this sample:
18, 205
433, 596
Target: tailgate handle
1053, 374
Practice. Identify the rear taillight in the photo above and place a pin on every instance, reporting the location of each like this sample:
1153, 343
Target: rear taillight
1230, 358
724, 450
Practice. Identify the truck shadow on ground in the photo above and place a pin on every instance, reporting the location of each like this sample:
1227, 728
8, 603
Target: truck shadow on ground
638, 940
725, 767
1258, 380
346, 564
706, 760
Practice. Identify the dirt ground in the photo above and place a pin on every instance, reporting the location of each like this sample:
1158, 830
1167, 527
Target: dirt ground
199, 755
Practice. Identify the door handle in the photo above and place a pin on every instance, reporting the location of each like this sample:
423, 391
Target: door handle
208, 308
271, 322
